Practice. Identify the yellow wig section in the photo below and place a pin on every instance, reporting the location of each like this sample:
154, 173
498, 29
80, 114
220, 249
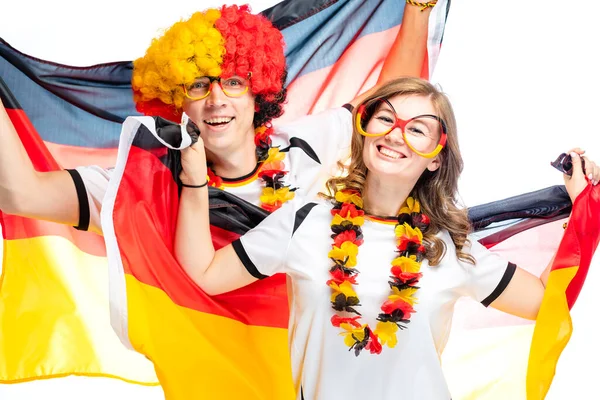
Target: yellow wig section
185, 51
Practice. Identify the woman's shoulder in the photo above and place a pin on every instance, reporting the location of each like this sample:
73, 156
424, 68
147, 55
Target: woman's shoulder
471, 247
450, 256
321, 117
316, 129
444, 235
472, 240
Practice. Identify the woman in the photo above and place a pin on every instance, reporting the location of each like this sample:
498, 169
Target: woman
413, 265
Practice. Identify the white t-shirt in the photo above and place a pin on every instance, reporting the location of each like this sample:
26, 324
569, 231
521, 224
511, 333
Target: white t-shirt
313, 144
296, 240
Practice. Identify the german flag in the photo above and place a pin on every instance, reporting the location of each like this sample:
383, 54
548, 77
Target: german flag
53, 292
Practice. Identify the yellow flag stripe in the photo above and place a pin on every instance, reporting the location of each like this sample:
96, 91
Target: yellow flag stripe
551, 335
54, 316
201, 355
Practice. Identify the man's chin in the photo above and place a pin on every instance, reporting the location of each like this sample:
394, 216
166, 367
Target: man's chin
219, 146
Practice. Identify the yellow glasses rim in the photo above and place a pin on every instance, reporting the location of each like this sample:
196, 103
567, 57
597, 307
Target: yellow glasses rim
432, 154
185, 92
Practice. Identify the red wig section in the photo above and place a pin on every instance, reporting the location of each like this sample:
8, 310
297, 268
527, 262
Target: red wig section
252, 46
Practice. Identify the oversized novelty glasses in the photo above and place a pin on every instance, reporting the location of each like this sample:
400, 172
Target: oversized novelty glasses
232, 87
423, 134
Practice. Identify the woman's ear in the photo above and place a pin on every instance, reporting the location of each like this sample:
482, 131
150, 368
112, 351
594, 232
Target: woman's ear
434, 164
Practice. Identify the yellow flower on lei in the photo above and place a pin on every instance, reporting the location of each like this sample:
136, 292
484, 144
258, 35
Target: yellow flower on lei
338, 219
358, 333
274, 155
411, 206
386, 332
407, 264
344, 197
348, 252
271, 196
344, 288
404, 294
406, 230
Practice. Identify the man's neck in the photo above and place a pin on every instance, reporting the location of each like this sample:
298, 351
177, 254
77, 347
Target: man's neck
234, 163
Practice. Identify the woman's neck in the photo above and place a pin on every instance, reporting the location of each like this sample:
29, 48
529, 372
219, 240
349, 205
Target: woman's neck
384, 199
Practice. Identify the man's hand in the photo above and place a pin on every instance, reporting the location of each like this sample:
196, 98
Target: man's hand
193, 159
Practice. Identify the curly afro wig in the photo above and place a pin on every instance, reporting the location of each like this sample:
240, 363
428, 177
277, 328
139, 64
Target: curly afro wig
226, 42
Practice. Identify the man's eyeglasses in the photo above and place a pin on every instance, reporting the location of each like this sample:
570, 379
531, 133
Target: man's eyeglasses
232, 87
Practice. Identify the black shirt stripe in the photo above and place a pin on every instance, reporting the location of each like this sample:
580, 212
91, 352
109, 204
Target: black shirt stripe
301, 214
304, 146
508, 274
243, 256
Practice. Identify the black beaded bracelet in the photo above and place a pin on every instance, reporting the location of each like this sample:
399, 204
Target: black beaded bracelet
194, 186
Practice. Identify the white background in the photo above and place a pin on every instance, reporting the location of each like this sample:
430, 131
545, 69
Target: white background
522, 76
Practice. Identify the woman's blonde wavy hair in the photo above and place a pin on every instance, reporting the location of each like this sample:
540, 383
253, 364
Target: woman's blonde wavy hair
437, 191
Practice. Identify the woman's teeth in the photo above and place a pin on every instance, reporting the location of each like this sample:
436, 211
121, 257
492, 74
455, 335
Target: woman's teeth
389, 153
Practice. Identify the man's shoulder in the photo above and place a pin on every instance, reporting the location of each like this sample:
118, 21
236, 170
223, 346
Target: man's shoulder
320, 117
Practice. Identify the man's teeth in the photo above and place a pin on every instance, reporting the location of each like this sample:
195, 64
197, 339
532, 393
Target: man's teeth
389, 153
220, 120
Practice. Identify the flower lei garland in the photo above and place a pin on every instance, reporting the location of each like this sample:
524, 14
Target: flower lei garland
348, 217
271, 171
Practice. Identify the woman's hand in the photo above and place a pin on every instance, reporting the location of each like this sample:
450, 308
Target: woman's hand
193, 163
581, 178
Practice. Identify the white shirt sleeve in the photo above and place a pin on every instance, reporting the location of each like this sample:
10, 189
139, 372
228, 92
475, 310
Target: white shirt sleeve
491, 274
317, 142
263, 250
95, 180
329, 133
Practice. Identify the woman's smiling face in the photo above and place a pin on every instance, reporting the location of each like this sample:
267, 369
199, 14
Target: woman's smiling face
388, 156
